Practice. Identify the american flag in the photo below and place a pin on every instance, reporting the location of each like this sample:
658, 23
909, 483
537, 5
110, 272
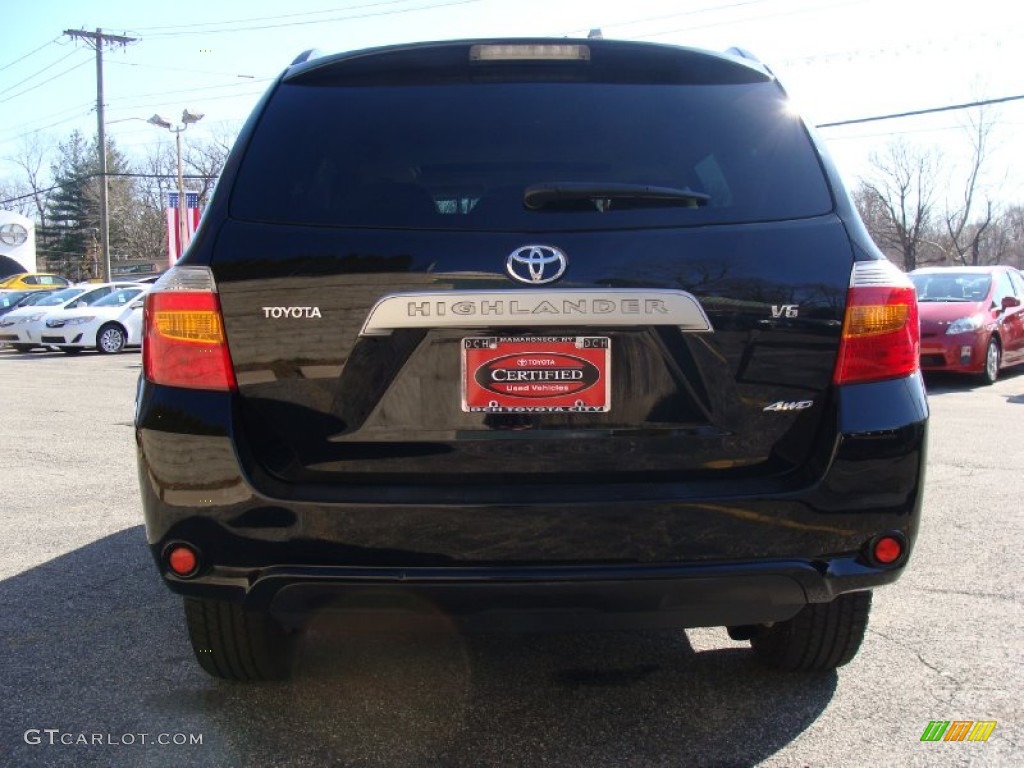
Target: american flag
174, 248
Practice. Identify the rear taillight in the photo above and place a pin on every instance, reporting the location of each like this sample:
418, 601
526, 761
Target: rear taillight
881, 332
184, 343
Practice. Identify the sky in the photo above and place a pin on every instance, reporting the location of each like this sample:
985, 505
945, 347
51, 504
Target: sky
838, 59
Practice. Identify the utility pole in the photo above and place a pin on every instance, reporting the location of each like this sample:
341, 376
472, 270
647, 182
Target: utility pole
96, 40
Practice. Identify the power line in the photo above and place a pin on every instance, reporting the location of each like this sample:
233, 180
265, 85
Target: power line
855, 121
695, 12
796, 11
30, 53
37, 74
190, 90
221, 99
49, 80
44, 128
895, 131
91, 176
83, 110
180, 69
961, 42
431, 7
265, 18
914, 113
80, 111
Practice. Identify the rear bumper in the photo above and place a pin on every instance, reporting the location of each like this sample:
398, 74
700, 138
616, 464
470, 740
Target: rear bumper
544, 598
684, 554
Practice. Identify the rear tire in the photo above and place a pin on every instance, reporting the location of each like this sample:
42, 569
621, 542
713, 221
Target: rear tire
822, 636
111, 339
235, 644
23, 347
993, 356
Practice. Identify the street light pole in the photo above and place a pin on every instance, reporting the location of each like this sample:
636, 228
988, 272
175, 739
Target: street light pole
182, 230
187, 119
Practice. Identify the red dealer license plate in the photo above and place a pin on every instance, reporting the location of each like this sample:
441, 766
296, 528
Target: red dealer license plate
543, 374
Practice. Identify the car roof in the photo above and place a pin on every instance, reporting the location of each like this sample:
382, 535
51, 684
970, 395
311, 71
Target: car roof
961, 270
445, 54
115, 284
30, 274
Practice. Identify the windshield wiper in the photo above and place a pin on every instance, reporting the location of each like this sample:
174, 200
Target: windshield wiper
610, 196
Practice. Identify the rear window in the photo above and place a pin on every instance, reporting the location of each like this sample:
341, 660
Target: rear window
957, 286
460, 156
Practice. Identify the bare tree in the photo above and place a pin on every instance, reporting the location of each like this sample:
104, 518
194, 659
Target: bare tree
158, 169
896, 200
206, 159
965, 233
1005, 237
16, 196
33, 158
159, 175
29, 193
56, 185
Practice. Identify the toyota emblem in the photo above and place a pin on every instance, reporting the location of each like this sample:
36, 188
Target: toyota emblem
13, 234
536, 264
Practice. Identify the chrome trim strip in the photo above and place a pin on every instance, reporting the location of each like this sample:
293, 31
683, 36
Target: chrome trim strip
536, 308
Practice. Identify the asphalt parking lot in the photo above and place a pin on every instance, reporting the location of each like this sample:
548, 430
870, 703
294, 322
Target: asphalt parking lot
95, 652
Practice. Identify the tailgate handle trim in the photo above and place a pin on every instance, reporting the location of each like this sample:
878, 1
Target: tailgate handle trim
543, 307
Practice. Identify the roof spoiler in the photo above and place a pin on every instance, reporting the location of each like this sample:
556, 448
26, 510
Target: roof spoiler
743, 53
307, 55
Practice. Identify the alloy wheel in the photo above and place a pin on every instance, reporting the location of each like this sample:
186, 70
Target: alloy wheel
111, 340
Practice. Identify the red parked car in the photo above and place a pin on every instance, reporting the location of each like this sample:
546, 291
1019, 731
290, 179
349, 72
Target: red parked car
972, 319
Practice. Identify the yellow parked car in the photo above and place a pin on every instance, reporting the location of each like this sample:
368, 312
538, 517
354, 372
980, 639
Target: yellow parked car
34, 281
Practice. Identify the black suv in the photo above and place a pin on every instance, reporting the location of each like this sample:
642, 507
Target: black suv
531, 334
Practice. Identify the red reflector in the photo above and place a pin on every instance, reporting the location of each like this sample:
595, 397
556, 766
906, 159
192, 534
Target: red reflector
182, 561
881, 331
888, 550
184, 342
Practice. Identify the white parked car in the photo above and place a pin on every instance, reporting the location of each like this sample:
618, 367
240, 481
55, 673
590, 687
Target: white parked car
22, 328
110, 325
14, 325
